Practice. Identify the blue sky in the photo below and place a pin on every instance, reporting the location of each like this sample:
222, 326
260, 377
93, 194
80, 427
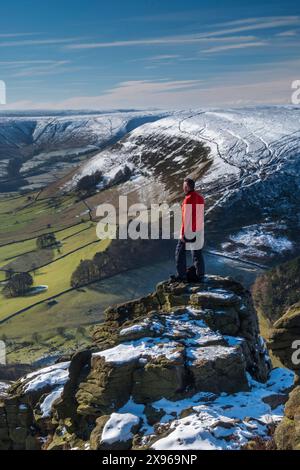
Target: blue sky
169, 54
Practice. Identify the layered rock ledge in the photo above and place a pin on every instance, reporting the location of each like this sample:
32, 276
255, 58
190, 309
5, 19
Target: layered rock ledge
183, 367
285, 344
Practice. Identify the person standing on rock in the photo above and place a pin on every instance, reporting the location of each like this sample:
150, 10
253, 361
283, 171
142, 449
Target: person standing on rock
191, 235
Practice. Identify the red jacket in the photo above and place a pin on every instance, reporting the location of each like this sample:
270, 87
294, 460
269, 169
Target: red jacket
192, 213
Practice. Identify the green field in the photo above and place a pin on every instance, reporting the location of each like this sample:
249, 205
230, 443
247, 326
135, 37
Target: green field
23, 219
56, 276
10, 252
51, 267
80, 308
38, 330
10, 204
44, 328
70, 239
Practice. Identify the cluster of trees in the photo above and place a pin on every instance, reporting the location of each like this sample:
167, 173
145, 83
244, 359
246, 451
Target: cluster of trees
89, 182
47, 240
278, 289
18, 285
87, 271
120, 256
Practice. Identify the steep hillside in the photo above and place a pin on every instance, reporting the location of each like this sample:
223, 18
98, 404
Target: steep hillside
35, 150
277, 289
277, 296
246, 163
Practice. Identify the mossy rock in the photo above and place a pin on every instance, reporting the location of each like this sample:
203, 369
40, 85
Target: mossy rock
107, 387
152, 414
159, 378
287, 434
96, 434
218, 369
285, 333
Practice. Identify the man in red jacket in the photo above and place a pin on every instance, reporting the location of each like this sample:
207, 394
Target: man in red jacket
192, 232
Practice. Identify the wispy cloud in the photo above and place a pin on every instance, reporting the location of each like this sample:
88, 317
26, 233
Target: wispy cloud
142, 92
254, 24
274, 20
42, 69
178, 94
163, 57
235, 46
287, 34
250, 24
16, 35
22, 63
176, 40
37, 42
158, 50
160, 58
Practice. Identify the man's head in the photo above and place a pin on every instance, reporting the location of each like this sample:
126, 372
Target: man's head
188, 185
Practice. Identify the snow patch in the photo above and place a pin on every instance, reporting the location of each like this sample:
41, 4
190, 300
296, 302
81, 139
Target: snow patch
46, 405
51, 376
226, 421
118, 428
134, 350
256, 236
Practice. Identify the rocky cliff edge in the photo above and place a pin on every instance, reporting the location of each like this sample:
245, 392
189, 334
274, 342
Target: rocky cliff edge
182, 368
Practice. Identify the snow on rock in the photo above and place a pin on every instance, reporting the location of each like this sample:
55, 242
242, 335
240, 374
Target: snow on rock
4, 386
217, 294
51, 376
190, 332
46, 405
119, 428
139, 349
214, 421
210, 352
166, 376
256, 236
141, 327
132, 329
233, 340
202, 335
226, 421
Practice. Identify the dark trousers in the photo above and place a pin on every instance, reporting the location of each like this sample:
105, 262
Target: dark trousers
180, 257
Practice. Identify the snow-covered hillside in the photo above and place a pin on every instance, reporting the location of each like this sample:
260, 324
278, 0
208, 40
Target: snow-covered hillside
41, 148
246, 162
248, 144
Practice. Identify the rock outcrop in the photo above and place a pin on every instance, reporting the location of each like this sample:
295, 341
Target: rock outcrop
284, 343
287, 434
285, 339
277, 289
188, 356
